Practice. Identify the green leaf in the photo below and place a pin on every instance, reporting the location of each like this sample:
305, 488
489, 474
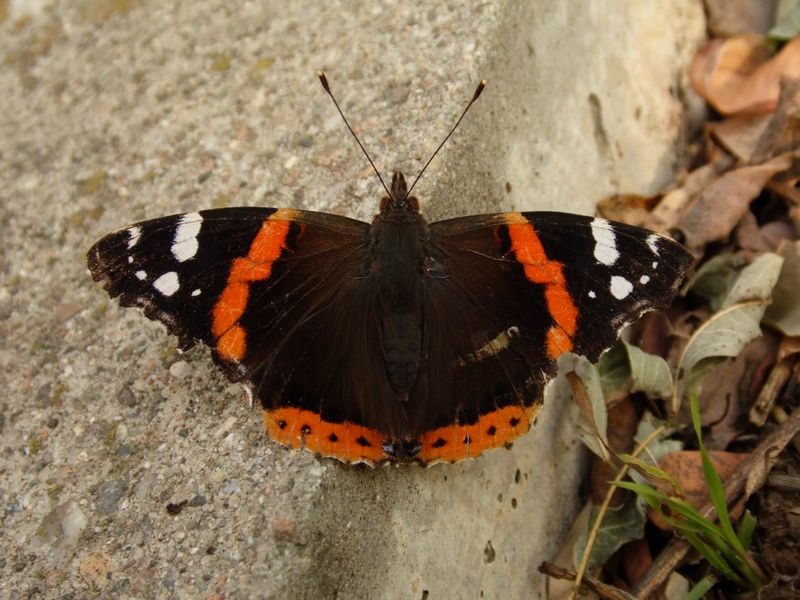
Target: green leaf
650, 373
714, 278
756, 281
728, 331
619, 526
658, 478
705, 584
615, 373
711, 555
787, 21
662, 444
716, 490
591, 380
746, 528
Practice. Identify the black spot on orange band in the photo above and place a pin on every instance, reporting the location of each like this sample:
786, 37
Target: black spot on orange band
457, 442
348, 442
539, 268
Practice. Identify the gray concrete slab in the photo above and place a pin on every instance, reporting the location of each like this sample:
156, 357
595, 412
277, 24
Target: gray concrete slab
118, 111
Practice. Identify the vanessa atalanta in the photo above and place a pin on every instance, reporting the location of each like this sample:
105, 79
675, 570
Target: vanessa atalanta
399, 339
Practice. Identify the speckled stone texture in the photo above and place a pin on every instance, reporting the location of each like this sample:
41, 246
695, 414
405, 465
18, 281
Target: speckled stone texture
131, 471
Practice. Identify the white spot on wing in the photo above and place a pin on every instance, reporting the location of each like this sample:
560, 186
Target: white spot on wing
644, 280
592, 295
184, 245
605, 247
141, 275
652, 243
130, 260
620, 287
196, 292
168, 283
134, 233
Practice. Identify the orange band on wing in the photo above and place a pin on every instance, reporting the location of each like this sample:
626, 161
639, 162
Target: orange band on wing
528, 250
265, 249
457, 442
348, 442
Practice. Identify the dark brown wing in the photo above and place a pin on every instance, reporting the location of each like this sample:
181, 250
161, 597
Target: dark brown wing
279, 297
522, 289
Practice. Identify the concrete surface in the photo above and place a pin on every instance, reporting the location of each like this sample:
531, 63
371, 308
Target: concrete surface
115, 111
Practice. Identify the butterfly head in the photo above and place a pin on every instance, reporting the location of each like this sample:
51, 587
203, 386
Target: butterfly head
398, 201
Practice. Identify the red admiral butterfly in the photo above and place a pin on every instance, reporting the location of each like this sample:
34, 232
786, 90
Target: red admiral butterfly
399, 339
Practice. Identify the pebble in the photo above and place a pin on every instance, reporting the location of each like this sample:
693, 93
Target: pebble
231, 487
126, 397
109, 494
283, 528
180, 369
60, 529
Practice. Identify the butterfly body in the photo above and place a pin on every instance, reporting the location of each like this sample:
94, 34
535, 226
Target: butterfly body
397, 340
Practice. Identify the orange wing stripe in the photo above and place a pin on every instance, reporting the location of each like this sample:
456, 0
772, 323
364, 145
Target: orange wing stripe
528, 250
265, 249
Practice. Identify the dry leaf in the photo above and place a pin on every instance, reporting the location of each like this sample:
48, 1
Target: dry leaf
732, 17
627, 208
740, 135
739, 76
686, 467
722, 205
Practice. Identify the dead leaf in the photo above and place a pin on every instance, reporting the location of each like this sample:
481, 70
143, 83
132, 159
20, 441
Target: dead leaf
784, 312
722, 205
686, 467
740, 135
622, 424
733, 17
627, 208
673, 205
635, 558
739, 76
730, 389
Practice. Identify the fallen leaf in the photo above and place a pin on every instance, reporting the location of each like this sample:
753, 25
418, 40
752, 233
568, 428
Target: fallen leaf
730, 389
741, 134
686, 467
619, 526
784, 312
733, 17
627, 208
728, 331
721, 206
673, 205
622, 425
587, 392
635, 559
739, 76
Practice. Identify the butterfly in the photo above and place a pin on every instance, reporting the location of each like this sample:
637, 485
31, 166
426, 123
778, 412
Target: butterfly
396, 340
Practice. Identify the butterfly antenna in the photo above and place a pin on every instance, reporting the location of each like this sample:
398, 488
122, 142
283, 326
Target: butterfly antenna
324, 81
475, 96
